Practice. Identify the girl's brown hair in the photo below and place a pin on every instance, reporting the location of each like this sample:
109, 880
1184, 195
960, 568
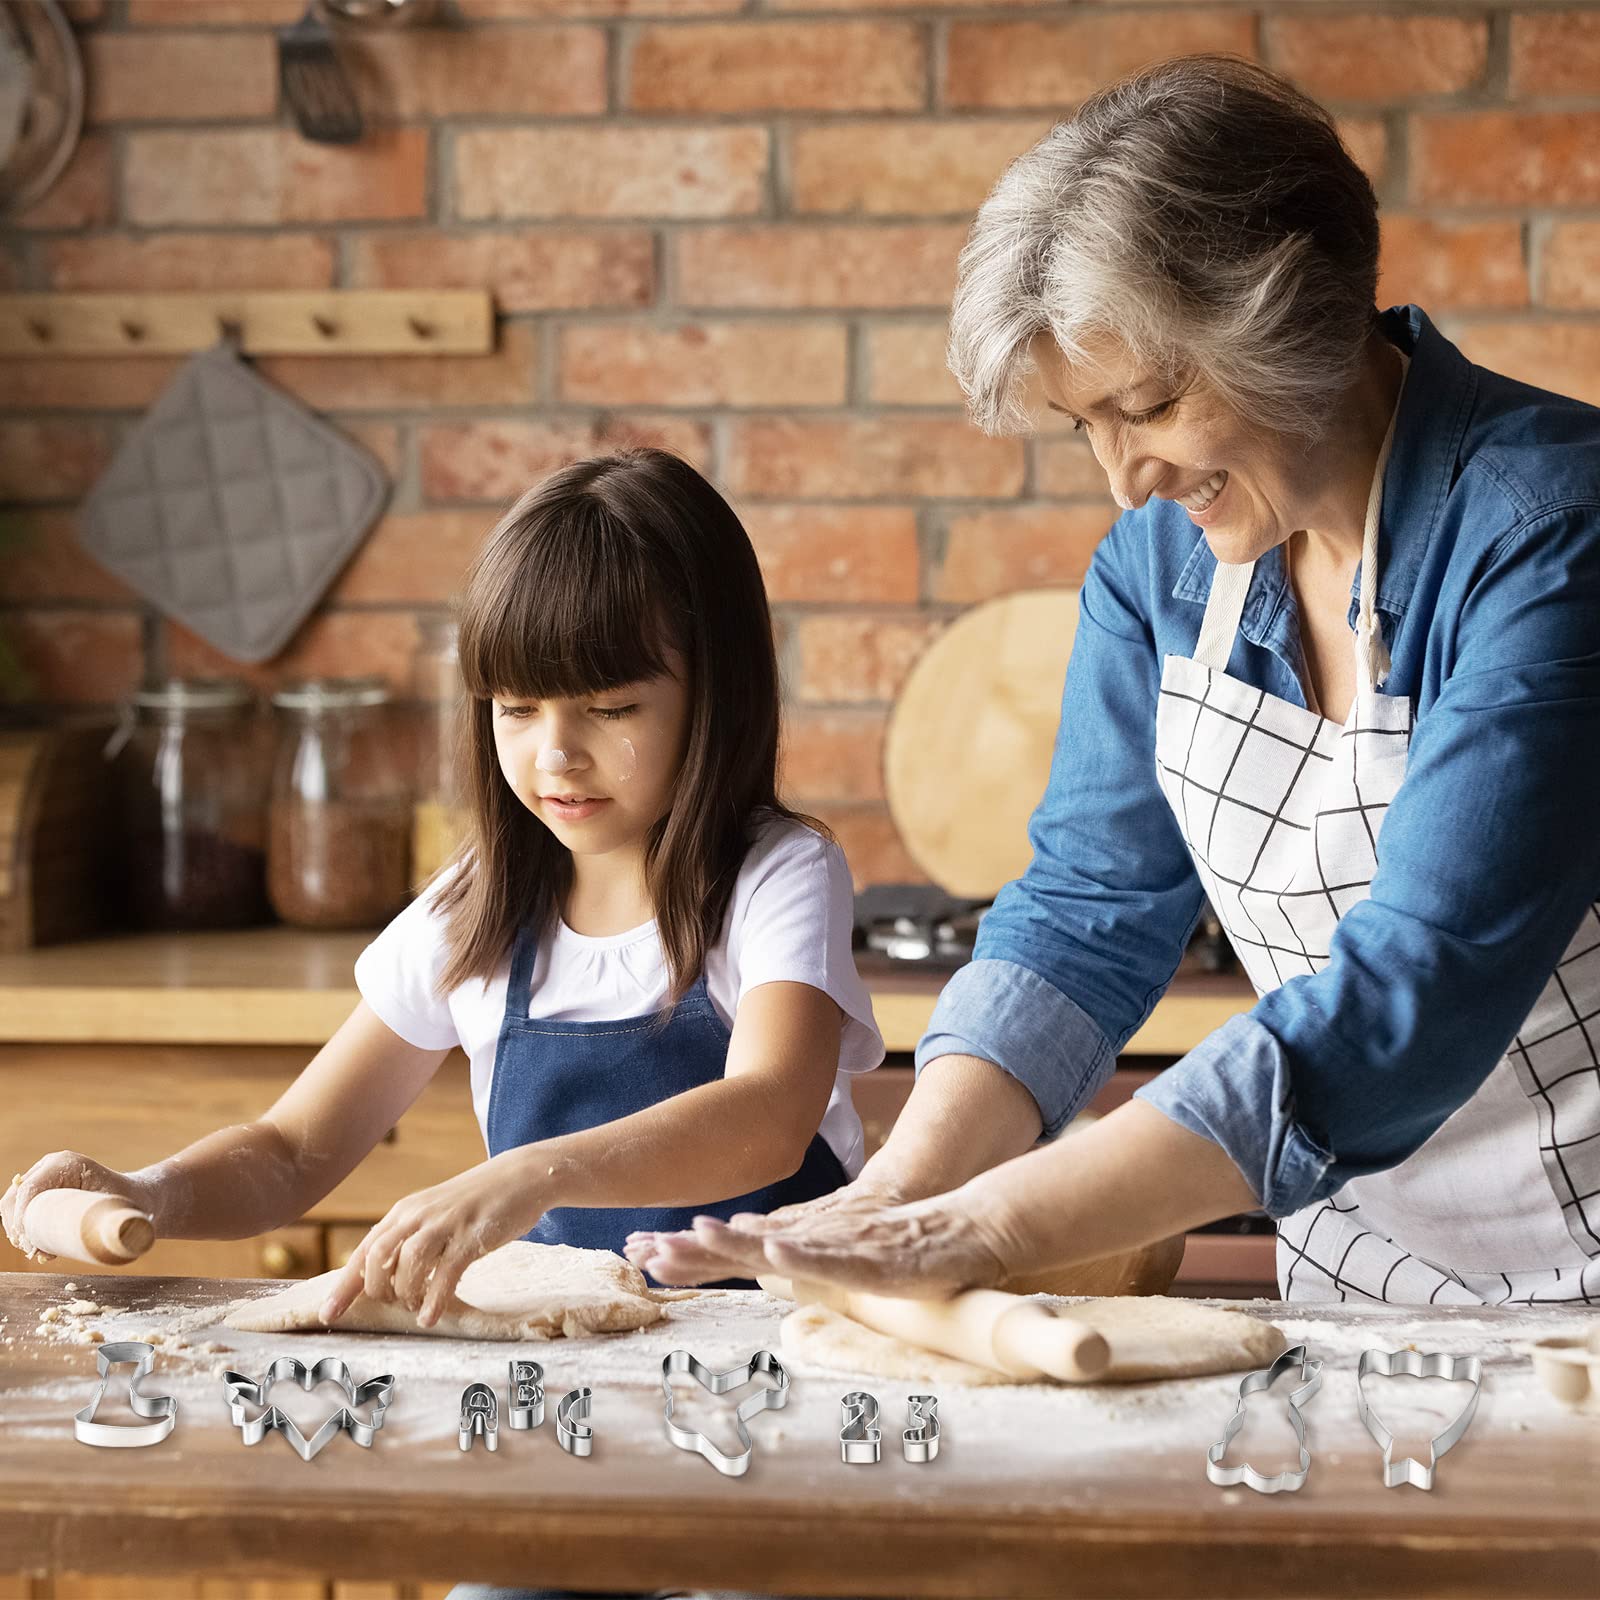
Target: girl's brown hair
583, 586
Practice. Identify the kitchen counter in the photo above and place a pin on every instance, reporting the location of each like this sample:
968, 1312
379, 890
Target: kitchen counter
1038, 1490
264, 986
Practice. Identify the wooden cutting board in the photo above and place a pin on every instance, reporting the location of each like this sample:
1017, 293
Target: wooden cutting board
970, 738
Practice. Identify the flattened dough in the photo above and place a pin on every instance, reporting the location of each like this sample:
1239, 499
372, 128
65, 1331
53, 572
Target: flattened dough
1150, 1337
520, 1291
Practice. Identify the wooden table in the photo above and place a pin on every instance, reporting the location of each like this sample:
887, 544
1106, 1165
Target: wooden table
1038, 1491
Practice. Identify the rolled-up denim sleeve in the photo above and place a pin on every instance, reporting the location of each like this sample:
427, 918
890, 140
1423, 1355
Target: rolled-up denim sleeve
1488, 863
1072, 956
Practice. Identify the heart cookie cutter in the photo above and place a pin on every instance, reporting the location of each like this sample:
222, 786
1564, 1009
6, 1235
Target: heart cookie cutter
772, 1398
161, 1410
1416, 1364
238, 1389
1254, 1383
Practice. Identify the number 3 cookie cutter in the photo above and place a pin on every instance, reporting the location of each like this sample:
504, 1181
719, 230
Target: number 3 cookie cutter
162, 1410
238, 1389
1254, 1383
767, 1399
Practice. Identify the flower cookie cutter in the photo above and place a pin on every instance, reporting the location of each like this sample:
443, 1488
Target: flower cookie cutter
239, 1389
1254, 1383
1416, 1364
771, 1398
160, 1410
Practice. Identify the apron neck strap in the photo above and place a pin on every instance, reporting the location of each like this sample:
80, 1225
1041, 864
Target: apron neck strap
1224, 607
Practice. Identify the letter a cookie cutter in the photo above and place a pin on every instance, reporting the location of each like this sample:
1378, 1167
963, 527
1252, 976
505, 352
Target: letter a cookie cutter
238, 1389
1416, 1364
1254, 1383
772, 1398
161, 1410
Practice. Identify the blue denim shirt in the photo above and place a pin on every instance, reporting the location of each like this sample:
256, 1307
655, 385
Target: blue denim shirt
1489, 599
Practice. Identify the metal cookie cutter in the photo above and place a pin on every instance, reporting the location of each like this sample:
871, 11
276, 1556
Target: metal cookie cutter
920, 1441
1416, 1364
237, 1389
162, 1410
572, 1433
860, 1439
480, 1414
526, 1394
773, 1398
1254, 1383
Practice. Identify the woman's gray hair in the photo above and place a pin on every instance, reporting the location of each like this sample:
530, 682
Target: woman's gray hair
1203, 211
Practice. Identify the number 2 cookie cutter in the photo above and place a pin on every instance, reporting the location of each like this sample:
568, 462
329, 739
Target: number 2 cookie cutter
161, 1410
1254, 1383
1416, 1364
239, 1389
772, 1398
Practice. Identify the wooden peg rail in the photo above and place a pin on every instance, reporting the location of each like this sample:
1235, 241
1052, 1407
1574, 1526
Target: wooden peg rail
328, 322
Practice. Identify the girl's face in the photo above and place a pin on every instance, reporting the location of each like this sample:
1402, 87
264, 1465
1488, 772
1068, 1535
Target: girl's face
598, 771
1174, 441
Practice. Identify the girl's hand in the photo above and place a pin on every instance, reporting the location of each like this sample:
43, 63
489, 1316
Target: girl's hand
417, 1253
63, 1169
686, 1258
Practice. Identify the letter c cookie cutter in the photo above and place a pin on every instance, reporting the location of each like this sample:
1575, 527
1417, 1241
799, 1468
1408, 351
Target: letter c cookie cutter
772, 1398
161, 1410
1254, 1383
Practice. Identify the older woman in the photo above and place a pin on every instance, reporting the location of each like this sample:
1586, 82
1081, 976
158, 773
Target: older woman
1337, 669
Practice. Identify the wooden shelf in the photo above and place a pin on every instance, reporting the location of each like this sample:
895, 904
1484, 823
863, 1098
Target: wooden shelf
287, 986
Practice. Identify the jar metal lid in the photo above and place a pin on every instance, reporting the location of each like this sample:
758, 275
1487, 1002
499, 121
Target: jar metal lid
332, 694
194, 694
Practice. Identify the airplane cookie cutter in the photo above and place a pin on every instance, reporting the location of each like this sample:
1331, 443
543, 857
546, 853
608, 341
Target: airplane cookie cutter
860, 1439
1416, 1364
238, 1389
920, 1441
480, 1415
1254, 1383
161, 1410
772, 1398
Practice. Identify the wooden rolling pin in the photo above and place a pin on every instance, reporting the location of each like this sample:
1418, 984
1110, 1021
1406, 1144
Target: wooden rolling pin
88, 1225
987, 1327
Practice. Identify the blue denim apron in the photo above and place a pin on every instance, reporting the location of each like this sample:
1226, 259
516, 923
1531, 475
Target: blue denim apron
552, 1078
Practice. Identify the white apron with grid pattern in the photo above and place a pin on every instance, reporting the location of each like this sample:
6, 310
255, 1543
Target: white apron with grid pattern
1282, 810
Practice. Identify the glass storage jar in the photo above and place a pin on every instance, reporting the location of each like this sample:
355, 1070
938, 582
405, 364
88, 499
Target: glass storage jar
436, 820
339, 843
190, 761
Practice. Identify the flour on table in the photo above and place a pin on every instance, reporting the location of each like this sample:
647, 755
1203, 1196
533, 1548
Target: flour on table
520, 1291
1150, 1337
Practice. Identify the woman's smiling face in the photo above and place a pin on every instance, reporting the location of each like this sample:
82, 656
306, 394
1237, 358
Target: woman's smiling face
1176, 441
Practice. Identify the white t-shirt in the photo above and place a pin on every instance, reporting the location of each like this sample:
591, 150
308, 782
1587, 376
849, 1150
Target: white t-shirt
789, 921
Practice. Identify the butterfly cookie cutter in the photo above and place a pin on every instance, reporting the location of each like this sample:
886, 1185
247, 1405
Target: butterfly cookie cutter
160, 1410
239, 1389
1254, 1383
1416, 1364
772, 1398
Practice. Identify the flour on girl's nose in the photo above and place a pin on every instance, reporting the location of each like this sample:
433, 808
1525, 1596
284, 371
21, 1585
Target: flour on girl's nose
552, 761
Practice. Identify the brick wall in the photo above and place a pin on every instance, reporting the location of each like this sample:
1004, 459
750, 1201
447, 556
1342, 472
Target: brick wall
729, 226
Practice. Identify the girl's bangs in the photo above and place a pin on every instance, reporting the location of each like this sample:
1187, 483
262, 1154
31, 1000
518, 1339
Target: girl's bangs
562, 612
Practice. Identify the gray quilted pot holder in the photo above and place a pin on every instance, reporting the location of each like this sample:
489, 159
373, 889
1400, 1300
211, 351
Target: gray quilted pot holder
231, 507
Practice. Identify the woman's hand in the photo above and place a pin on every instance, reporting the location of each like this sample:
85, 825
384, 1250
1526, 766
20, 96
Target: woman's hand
687, 1258
62, 1169
417, 1253
922, 1250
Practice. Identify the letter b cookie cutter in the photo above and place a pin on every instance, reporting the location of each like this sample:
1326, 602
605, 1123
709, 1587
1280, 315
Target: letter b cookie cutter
162, 1410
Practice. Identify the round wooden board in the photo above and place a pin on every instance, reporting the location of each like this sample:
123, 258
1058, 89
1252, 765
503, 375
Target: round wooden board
970, 738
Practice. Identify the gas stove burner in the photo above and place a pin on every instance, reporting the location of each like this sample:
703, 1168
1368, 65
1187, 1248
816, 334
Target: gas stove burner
914, 922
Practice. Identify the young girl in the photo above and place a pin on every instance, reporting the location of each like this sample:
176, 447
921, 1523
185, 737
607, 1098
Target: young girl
644, 954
